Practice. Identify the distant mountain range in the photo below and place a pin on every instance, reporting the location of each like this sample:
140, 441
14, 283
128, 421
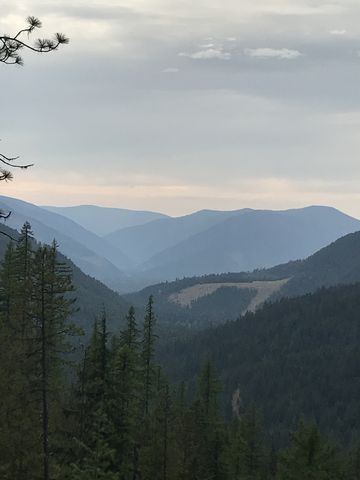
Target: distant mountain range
91, 253
128, 250
105, 220
251, 239
212, 299
142, 243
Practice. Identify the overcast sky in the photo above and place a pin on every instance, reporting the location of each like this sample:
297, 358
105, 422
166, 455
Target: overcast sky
180, 105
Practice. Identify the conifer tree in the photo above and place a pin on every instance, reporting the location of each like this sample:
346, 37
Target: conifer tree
247, 450
95, 458
208, 458
147, 355
51, 310
309, 457
124, 401
18, 362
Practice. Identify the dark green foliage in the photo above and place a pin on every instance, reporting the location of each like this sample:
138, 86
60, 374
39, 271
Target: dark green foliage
90, 293
147, 356
247, 449
224, 304
310, 457
120, 419
297, 356
34, 327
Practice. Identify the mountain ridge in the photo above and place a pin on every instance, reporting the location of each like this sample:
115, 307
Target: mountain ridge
102, 220
335, 264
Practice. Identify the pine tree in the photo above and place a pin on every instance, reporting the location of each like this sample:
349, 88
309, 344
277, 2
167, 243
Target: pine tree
208, 434
17, 362
247, 451
94, 456
147, 356
156, 453
124, 401
309, 457
51, 309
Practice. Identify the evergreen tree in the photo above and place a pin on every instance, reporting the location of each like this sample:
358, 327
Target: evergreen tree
147, 356
17, 362
124, 400
310, 457
247, 452
94, 457
209, 442
51, 309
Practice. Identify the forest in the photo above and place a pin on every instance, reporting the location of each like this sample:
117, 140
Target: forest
105, 408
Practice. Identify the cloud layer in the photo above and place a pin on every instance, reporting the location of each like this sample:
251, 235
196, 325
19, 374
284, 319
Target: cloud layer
181, 105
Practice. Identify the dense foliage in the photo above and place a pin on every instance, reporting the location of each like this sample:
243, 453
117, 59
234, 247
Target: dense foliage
90, 293
114, 415
296, 356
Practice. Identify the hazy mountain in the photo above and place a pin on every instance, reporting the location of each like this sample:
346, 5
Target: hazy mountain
92, 296
104, 220
252, 239
94, 255
167, 248
338, 263
140, 243
225, 296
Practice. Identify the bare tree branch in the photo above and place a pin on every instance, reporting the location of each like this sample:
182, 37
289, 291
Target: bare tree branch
11, 45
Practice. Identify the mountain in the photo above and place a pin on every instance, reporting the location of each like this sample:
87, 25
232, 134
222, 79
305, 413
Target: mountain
205, 242
92, 296
338, 263
296, 357
104, 220
250, 240
94, 255
225, 296
142, 242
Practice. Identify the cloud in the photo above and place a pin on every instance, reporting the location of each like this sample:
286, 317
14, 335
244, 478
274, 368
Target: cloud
282, 53
170, 70
338, 32
207, 46
207, 54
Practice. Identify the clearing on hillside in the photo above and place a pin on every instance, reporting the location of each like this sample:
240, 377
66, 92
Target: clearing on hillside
264, 290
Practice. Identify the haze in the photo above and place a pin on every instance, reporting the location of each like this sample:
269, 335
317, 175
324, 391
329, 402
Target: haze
175, 106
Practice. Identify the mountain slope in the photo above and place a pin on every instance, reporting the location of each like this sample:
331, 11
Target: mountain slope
103, 220
299, 356
91, 253
255, 239
92, 296
337, 263
144, 241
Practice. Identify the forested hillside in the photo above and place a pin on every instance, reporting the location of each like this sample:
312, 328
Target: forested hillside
338, 263
92, 296
92, 254
296, 356
116, 416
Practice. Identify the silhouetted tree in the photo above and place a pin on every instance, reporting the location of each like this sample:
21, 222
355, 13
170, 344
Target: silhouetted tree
10, 48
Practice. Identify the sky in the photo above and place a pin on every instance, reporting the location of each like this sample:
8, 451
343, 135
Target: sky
177, 106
